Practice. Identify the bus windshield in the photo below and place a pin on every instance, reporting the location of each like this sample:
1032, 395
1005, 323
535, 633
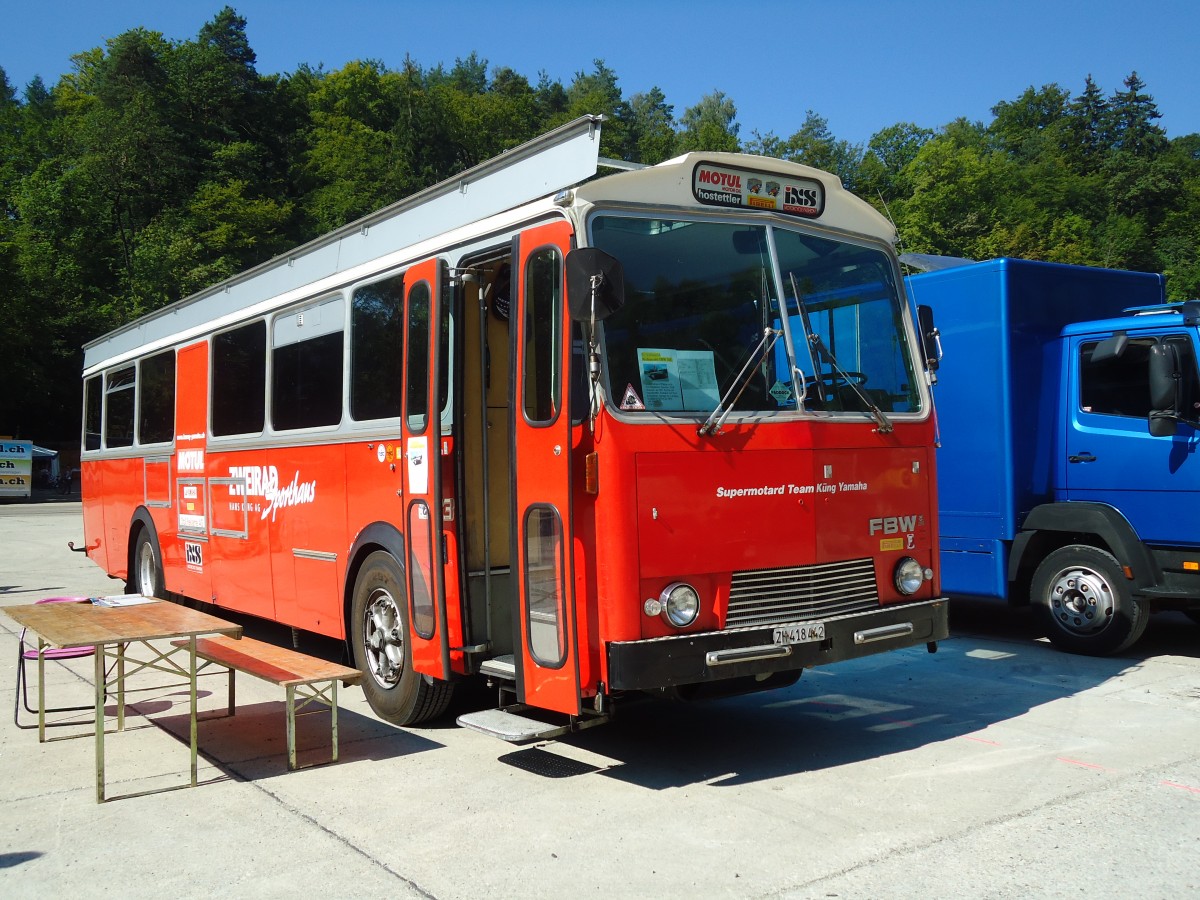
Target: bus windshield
701, 294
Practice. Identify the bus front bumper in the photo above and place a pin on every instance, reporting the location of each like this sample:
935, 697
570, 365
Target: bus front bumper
741, 652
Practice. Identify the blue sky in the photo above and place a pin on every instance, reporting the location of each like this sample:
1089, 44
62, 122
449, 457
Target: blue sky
862, 64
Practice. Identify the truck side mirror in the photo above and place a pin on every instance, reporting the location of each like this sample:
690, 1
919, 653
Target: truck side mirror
1164, 389
1111, 348
931, 338
595, 284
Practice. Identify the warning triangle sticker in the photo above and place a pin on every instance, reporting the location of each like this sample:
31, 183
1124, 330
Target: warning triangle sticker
631, 400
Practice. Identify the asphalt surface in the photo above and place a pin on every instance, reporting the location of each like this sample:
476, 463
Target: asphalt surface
996, 767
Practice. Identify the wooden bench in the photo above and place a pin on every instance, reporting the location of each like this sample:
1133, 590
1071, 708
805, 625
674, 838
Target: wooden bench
313, 680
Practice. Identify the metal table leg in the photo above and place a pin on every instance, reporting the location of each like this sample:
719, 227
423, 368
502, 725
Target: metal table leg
99, 657
192, 652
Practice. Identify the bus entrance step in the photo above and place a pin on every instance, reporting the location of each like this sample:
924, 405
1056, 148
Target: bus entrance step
502, 667
511, 727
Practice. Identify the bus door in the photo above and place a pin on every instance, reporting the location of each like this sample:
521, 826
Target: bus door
545, 632
425, 391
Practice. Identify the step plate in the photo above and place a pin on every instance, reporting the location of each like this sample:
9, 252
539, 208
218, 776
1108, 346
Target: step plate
509, 726
502, 667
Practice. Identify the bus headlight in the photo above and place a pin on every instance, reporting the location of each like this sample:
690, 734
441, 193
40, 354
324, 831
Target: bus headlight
680, 604
908, 576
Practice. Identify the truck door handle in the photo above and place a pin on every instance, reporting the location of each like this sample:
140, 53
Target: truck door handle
1081, 457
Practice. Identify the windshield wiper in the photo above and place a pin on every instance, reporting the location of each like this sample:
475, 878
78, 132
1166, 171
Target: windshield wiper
712, 425
883, 423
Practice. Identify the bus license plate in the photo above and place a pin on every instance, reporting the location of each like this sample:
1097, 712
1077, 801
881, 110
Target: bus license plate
807, 633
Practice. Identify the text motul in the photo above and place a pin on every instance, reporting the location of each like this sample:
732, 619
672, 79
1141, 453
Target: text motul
721, 179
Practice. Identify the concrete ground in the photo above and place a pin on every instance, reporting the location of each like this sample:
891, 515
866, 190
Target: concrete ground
997, 767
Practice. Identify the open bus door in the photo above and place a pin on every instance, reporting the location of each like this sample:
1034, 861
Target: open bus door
424, 397
545, 631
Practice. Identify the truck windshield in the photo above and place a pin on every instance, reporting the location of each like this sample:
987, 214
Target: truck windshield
699, 296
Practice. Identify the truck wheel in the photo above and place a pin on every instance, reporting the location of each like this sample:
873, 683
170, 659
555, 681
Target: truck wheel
1084, 601
146, 573
379, 636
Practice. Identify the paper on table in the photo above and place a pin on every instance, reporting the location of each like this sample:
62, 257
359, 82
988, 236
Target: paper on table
124, 600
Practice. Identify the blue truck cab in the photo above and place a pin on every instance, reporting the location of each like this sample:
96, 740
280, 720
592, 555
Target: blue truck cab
1068, 477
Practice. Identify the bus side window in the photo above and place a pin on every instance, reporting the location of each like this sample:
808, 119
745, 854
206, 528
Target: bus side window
542, 388
306, 366
239, 379
417, 402
92, 408
377, 349
119, 391
156, 398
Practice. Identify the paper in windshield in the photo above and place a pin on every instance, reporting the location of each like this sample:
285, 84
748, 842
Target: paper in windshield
678, 379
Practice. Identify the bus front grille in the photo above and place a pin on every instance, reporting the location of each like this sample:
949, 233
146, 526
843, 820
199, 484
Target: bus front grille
799, 593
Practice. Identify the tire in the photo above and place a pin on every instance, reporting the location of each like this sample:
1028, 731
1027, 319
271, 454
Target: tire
146, 569
379, 637
1083, 598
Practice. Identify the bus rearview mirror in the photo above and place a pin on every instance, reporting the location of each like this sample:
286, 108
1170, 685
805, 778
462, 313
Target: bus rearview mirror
593, 276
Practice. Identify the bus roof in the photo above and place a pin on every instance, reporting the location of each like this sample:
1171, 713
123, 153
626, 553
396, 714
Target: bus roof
538, 169
535, 169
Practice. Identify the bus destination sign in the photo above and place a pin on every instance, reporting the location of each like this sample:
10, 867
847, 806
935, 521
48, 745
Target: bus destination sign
748, 189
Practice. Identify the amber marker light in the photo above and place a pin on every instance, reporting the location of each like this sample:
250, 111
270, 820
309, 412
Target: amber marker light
591, 473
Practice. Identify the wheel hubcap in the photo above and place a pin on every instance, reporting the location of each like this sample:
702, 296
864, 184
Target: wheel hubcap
383, 638
146, 571
1081, 600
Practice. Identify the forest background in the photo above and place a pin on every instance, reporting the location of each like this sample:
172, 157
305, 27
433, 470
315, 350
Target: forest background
156, 168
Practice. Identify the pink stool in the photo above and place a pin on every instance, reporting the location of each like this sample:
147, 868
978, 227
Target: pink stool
25, 653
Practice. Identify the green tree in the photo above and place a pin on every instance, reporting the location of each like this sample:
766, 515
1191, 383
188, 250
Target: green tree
1132, 114
652, 127
813, 145
1179, 233
1032, 125
597, 93
955, 192
710, 125
889, 152
352, 159
1087, 137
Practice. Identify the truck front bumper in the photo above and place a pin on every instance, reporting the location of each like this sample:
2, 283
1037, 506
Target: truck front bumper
740, 652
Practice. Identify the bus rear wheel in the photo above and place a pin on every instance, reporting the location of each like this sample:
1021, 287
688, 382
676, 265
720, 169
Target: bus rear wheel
379, 637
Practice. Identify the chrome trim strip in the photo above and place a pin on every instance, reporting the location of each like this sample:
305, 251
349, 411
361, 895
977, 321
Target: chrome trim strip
900, 629
322, 555
746, 654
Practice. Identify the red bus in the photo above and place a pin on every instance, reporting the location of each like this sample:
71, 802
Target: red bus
667, 430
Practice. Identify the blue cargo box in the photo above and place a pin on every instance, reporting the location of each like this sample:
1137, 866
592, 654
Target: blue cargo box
997, 396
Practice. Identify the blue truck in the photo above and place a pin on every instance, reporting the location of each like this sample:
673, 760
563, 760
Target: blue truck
1068, 471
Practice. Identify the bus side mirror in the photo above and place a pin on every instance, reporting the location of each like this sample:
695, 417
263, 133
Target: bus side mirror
595, 284
931, 338
1164, 389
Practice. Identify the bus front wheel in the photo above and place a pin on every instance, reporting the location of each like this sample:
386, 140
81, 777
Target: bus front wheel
146, 573
379, 636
